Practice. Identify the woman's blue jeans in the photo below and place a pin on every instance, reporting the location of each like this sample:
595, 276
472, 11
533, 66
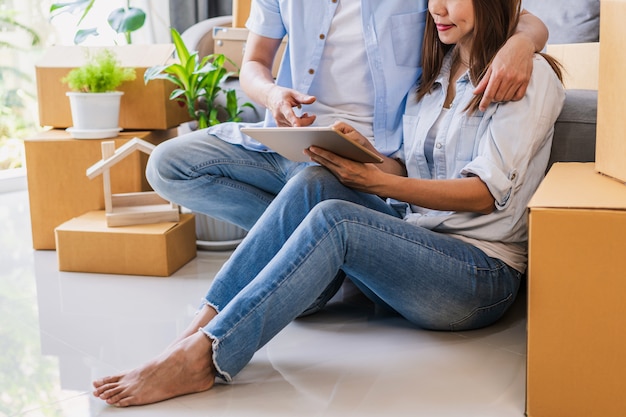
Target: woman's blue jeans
316, 227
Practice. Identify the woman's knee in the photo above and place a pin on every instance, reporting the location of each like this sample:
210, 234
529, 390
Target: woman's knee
333, 212
312, 176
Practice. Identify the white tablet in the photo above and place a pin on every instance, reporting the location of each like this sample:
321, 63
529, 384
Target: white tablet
291, 141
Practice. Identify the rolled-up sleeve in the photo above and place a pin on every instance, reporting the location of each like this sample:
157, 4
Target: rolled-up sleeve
266, 19
514, 132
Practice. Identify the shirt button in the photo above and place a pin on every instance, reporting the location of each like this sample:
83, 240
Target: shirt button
322, 36
438, 145
334, 1
513, 176
311, 71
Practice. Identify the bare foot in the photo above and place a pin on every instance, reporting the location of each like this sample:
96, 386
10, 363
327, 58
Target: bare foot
185, 368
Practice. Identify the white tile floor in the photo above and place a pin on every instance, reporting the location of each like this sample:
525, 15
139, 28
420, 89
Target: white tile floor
58, 331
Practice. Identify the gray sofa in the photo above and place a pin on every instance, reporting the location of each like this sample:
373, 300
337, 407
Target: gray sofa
572, 21
568, 22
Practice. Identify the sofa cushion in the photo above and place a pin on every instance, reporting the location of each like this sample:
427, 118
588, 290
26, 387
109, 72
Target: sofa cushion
569, 21
575, 129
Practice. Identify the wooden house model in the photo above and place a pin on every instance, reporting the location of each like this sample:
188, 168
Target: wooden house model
130, 208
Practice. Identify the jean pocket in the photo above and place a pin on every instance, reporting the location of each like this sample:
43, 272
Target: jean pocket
483, 316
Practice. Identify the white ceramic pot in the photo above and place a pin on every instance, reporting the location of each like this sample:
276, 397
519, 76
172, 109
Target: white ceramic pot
213, 234
95, 111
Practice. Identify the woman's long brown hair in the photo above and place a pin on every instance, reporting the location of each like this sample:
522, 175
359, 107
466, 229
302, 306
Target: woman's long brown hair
495, 22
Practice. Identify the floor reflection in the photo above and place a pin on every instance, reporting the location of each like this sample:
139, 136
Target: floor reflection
59, 331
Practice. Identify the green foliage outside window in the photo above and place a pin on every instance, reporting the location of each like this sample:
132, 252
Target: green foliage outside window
15, 122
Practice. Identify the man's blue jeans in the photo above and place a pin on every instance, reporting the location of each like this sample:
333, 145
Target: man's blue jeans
224, 181
316, 227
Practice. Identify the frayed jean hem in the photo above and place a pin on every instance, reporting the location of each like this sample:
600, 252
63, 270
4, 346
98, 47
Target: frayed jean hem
214, 347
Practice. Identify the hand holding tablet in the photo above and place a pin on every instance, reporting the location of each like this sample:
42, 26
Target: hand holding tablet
291, 141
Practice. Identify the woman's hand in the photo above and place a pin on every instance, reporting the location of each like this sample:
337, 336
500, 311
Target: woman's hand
354, 135
360, 176
357, 175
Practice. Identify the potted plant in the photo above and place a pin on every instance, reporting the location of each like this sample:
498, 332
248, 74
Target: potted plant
199, 83
94, 101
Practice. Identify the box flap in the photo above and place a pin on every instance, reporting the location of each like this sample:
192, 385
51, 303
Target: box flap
230, 33
95, 221
579, 185
135, 56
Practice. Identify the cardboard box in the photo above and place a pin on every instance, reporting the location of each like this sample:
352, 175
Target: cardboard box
86, 244
143, 107
232, 43
611, 128
581, 63
576, 287
241, 11
58, 187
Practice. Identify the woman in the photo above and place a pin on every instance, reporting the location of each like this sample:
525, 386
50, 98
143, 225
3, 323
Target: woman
447, 250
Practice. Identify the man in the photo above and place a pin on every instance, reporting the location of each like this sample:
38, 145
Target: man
348, 60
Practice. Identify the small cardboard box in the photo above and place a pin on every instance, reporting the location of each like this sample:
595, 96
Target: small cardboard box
576, 287
86, 244
58, 187
611, 128
232, 43
143, 106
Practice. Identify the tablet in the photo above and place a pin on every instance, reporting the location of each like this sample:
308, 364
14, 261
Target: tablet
290, 142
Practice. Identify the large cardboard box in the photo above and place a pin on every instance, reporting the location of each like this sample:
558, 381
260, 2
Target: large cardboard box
232, 43
576, 288
86, 244
581, 63
58, 187
143, 106
611, 130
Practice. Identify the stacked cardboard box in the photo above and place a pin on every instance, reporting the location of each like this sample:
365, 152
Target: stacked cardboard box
231, 42
58, 186
144, 106
576, 287
86, 244
611, 131
241, 11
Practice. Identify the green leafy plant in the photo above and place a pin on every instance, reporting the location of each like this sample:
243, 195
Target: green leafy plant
101, 73
200, 82
123, 20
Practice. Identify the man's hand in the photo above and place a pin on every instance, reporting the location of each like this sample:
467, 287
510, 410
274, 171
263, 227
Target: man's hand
508, 75
281, 102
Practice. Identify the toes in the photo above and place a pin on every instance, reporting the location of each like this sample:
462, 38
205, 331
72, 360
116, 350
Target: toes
106, 380
126, 402
114, 396
107, 391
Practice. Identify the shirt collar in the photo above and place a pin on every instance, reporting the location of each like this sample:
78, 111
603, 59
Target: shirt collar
444, 75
